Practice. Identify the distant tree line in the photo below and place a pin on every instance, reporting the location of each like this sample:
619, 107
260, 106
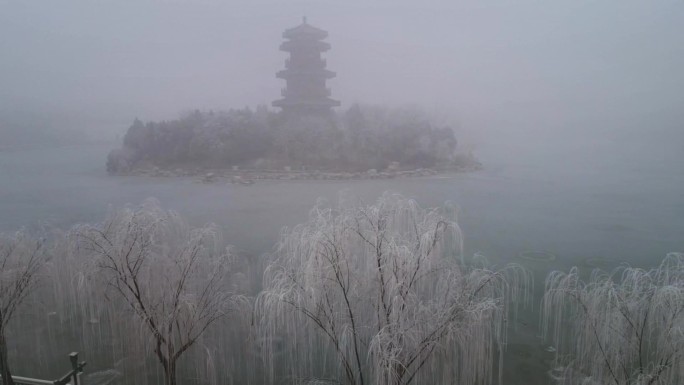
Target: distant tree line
357, 139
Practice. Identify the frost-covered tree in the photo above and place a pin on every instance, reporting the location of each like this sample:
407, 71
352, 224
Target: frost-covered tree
622, 328
21, 257
174, 278
378, 294
362, 138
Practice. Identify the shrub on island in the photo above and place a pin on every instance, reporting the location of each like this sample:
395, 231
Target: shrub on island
358, 139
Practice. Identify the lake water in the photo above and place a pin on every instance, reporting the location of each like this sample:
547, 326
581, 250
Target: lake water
576, 201
588, 203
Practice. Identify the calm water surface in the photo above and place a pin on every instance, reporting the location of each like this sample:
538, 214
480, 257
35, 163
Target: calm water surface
598, 203
574, 203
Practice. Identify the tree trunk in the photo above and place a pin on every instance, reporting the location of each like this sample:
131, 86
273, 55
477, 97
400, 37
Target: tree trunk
169, 365
4, 366
170, 373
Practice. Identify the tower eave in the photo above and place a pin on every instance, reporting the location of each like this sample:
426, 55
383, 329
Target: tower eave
294, 45
305, 30
320, 73
299, 103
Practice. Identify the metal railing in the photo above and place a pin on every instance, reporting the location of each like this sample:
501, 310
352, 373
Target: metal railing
73, 377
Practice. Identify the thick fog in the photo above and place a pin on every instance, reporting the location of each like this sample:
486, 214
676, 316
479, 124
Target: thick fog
520, 67
548, 133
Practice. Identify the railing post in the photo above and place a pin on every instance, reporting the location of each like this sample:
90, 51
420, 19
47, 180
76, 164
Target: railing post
73, 357
71, 378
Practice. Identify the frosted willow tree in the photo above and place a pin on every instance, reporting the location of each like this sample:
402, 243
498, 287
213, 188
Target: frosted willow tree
378, 295
175, 279
21, 257
621, 328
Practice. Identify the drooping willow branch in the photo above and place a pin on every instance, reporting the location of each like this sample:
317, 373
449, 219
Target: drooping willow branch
626, 327
384, 285
173, 277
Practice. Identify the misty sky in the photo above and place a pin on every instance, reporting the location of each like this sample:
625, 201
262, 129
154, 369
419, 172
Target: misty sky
541, 65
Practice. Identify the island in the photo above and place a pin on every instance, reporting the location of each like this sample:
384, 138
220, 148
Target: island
305, 139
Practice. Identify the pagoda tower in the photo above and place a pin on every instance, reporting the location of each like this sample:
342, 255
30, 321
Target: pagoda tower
305, 72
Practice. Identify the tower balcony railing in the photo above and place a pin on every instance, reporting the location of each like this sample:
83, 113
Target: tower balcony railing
304, 46
326, 92
315, 63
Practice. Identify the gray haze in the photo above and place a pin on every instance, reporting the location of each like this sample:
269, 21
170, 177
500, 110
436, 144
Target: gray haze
515, 67
575, 109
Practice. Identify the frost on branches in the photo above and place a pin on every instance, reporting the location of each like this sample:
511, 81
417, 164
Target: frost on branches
379, 295
174, 278
21, 258
622, 328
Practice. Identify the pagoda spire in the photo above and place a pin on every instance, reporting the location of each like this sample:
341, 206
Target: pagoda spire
305, 72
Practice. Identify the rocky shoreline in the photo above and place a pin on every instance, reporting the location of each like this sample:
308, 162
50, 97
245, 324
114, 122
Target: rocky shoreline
250, 176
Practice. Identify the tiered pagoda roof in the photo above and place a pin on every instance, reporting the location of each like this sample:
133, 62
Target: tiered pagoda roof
305, 30
305, 72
